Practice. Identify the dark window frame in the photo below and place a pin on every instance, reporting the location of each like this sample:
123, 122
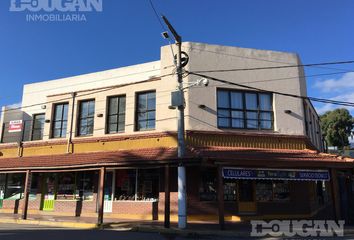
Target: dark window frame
146, 112
36, 129
61, 120
244, 110
79, 118
118, 114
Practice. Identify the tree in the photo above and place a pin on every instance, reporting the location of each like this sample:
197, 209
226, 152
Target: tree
336, 127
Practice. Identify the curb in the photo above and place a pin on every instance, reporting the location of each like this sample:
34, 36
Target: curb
204, 233
189, 233
50, 223
136, 228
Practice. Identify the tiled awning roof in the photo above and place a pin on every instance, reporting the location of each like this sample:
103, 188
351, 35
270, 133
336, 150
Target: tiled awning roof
152, 156
92, 159
272, 157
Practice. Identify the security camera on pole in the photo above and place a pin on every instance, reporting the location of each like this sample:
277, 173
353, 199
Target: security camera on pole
182, 195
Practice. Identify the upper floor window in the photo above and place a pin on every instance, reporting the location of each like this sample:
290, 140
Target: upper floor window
60, 120
244, 110
37, 127
86, 118
116, 114
145, 111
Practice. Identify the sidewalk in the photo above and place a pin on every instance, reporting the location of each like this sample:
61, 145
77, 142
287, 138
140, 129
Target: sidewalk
55, 221
194, 229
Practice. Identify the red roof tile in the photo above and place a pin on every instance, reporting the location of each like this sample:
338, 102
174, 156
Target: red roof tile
89, 159
224, 155
274, 157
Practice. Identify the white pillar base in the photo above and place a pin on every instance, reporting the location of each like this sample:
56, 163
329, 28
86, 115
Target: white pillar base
182, 198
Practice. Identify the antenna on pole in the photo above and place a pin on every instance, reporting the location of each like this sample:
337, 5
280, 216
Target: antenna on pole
177, 37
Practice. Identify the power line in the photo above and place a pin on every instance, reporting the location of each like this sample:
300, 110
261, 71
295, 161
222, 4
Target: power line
130, 74
286, 78
197, 74
265, 80
157, 15
254, 58
95, 81
69, 98
201, 75
275, 67
322, 100
164, 30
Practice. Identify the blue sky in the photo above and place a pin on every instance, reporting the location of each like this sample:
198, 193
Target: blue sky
127, 32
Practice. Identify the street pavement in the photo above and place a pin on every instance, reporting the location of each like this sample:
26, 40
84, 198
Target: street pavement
29, 232
35, 232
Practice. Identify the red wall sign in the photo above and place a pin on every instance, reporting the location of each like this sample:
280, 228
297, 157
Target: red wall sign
15, 126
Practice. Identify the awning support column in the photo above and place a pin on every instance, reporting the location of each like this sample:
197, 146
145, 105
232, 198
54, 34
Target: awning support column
335, 194
221, 198
167, 197
26, 194
100, 196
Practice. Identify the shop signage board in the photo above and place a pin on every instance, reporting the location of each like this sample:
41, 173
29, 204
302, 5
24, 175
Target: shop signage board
15, 126
276, 174
48, 204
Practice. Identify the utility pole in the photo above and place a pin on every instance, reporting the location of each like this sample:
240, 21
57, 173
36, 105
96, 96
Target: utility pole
182, 195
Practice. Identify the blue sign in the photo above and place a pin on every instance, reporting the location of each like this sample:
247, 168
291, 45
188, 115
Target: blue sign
275, 174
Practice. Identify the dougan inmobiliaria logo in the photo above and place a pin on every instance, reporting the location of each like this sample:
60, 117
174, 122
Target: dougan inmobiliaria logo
297, 228
56, 10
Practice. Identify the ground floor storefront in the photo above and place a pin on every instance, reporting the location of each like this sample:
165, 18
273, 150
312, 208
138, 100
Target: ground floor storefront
262, 193
215, 193
230, 177
128, 193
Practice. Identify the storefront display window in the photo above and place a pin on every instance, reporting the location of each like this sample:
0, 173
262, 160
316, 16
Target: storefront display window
14, 186
136, 185
125, 184
148, 187
207, 190
66, 186
326, 192
85, 185
35, 186
264, 191
246, 191
2, 186
322, 192
50, 185
2, 180
230, 190
272, 191
281, 191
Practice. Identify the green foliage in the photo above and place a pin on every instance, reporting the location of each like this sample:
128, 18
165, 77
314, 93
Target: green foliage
336, 127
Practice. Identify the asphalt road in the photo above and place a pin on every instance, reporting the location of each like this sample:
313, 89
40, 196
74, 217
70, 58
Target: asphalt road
29, 232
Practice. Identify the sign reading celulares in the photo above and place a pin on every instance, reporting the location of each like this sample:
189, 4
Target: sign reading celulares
56, 10
276, 174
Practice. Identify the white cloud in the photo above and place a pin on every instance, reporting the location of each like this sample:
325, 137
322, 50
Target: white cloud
344, 83
15, 105
12, 106
344, 97
324, 108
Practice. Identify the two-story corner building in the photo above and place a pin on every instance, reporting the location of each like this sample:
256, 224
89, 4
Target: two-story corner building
250, 154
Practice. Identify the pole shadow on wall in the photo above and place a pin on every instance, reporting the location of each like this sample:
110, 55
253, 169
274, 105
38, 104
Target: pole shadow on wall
17, 204
78, 209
